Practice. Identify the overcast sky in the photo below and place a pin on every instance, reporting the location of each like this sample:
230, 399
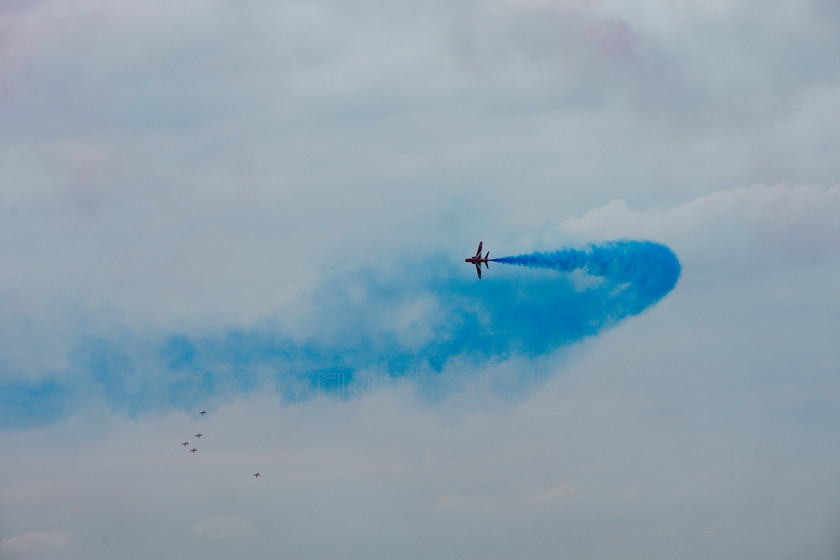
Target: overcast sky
261, 209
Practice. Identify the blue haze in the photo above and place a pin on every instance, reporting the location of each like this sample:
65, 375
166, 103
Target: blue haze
466, 323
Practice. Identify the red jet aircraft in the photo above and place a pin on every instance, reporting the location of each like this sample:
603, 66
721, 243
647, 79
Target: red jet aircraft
477, 260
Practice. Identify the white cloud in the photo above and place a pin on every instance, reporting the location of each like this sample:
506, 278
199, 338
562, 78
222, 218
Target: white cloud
34, 544
555, 493
791, 224
456, 501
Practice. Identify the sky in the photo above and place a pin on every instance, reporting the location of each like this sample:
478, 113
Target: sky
261, 210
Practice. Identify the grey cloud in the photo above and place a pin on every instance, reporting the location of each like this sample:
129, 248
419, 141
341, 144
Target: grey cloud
36, 544
223, 527
188, 164
780, 224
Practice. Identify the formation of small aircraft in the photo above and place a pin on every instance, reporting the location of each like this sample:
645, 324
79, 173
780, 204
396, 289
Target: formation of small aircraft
199, 435
477, 260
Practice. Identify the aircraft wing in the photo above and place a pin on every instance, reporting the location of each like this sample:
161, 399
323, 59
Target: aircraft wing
478, 269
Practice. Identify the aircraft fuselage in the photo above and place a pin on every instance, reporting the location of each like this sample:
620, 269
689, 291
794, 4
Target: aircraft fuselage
478, 259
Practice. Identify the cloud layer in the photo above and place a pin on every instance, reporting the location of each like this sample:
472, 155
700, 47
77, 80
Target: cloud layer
219, 204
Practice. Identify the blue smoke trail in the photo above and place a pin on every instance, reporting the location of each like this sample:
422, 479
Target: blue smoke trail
647, 270
464, 324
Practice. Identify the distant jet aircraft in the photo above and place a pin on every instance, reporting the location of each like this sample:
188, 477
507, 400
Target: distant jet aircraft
186, 443
256, 474
477, 260
193, 449
198, 435
203, 412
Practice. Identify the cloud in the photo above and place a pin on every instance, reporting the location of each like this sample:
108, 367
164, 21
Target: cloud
555, 493
278, 194
787, 224
456, 501
569, 36
223, 527
194, 161
35, 544
476, 495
